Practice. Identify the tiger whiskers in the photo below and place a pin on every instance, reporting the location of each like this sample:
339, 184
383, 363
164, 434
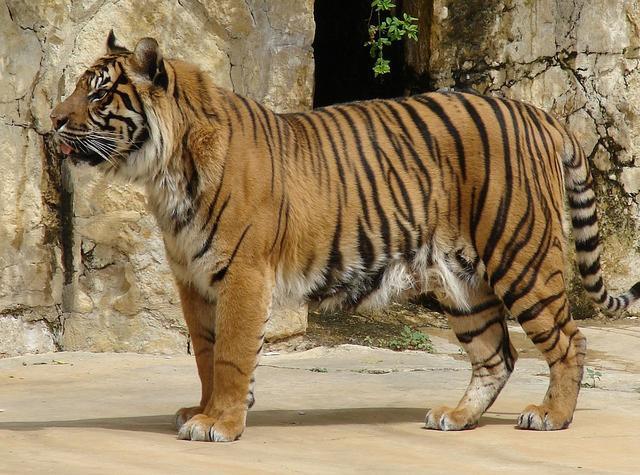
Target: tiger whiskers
94, 147
88, 145
107, 145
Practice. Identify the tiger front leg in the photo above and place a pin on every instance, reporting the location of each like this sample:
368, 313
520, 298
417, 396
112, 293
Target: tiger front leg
199, 313
242, 308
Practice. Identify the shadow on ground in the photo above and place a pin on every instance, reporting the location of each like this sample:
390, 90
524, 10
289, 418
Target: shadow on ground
163, 424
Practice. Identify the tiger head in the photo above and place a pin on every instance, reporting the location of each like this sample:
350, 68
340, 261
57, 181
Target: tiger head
104, 120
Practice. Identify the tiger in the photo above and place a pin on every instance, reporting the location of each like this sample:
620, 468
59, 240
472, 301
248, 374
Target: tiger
452, 194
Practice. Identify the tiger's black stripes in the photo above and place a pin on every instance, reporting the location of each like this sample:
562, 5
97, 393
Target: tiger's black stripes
479, 124
578, 205
422, 127
207, 244
220, 274
533, 311
265, 125
378, 111
467, 337
384, 222
515, 245
283, 239
366, 249
336, 156
279, 220
408, 246
455, 312
252, 116
532, 269
335, 255
505, 202
432, 104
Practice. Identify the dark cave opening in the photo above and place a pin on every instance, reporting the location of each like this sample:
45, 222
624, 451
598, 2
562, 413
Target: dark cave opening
343, 65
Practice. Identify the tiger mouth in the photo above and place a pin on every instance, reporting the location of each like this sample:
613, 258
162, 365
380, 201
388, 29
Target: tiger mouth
77, 156
66, 149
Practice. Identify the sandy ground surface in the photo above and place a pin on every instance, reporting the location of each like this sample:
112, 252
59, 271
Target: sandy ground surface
348, 409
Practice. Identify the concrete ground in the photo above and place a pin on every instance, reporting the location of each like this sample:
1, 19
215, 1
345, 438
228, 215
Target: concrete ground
348, 409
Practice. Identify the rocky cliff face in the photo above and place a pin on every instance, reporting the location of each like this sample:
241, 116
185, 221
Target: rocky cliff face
578, 59
82, 265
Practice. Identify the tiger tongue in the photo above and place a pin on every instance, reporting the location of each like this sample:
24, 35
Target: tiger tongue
66, 149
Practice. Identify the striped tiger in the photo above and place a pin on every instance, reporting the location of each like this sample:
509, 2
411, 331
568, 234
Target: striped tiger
351, 205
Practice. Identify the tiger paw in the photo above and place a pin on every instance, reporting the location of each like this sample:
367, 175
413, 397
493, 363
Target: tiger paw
542, 418
186, 413
445, 418
211, 429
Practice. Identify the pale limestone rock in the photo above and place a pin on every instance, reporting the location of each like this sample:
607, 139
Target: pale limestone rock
604, 27
29, 267
234, 16
532, 28
630, 179
111, 331
293, 18
289, 321
284, 90
602, 159
584, 128
16, 71
19, 337
277, 72
550, 90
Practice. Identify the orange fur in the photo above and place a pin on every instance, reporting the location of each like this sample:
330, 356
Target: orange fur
355, 204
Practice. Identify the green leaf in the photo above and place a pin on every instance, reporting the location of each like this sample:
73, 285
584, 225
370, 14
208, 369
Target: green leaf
382, 66
386, 31
382, 5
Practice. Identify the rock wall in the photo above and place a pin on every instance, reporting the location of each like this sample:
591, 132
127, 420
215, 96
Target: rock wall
578, 59
82, 265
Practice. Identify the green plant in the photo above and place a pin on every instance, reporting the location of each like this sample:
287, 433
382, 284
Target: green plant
593, 376
410, 339
387, 30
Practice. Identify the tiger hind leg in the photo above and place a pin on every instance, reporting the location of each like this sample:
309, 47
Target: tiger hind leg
544, 315
481, 330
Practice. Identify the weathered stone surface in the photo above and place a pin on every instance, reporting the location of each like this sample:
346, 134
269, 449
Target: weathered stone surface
19, 337
108, 275
286, 321
630, 179
278, 72
578, 60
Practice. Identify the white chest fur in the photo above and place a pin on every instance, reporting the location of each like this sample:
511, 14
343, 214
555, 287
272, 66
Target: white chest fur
182, 249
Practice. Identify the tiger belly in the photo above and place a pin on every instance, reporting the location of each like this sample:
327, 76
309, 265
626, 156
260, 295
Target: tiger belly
446, 271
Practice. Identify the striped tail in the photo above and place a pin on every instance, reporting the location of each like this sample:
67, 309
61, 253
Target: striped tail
584, 218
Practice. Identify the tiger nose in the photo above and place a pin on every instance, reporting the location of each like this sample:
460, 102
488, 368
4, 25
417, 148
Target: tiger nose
58, 120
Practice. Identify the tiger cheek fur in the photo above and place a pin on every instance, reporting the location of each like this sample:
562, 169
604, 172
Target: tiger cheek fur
353, 205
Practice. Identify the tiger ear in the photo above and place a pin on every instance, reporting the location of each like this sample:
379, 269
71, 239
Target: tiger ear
112, 45
148, 62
